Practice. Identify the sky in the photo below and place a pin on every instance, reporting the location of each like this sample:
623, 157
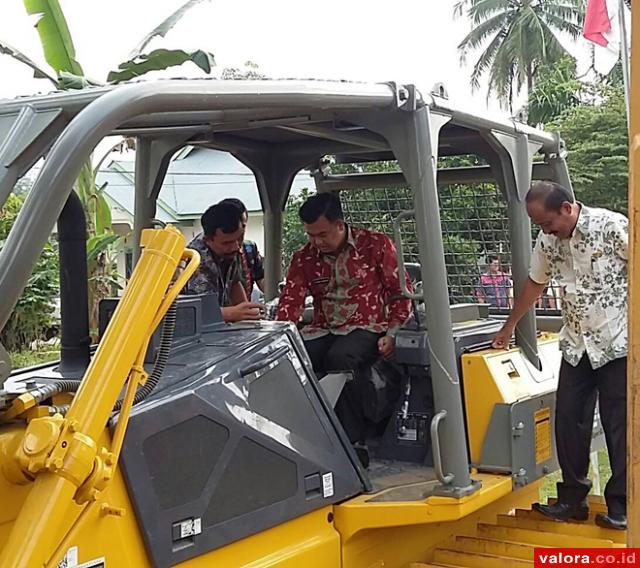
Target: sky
360, 40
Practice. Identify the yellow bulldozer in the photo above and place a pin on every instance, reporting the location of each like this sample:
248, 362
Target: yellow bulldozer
184, 441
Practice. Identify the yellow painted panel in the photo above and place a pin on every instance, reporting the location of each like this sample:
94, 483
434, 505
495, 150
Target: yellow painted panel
498, 376
362, 513
309, 541
116, 539
402, 533
481, 395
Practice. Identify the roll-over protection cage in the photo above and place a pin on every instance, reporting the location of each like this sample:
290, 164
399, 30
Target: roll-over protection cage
277, 128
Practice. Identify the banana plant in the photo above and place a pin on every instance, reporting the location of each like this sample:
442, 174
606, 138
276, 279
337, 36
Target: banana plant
67, 74
60, 54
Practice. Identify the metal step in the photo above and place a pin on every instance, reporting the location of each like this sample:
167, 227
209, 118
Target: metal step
539, 537
570, 529
427, 565
536, 515
480, 545
460, 558
510, 542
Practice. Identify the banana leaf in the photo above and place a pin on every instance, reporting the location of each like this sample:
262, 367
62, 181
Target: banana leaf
38, 72
57, 44
160, 59
164, 27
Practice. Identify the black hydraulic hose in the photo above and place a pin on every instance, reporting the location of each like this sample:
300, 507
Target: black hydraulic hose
59, 386
168, 329
70, 385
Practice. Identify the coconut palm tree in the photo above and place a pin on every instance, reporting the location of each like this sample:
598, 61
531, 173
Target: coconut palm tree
515, 38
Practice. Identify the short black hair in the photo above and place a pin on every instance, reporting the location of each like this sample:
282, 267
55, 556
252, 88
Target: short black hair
319, 205
550, 193
223, 216
492, 257
237, 203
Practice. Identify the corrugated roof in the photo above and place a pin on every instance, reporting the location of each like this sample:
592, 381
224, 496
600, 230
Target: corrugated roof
193, 182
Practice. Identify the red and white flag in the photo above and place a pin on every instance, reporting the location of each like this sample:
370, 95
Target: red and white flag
602, 27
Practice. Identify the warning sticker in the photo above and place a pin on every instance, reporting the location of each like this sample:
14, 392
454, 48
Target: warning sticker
542, 421
327, 485
97, 563
70, 559
190, 527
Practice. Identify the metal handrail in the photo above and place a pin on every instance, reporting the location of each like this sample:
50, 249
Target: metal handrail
435, 445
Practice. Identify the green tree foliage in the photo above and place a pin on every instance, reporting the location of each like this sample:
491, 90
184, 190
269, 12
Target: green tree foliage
516, 37
294, 236
32, 317
597, 144
556, 90
472, 215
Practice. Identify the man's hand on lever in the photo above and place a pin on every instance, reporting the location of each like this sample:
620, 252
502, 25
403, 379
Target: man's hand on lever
522, 304
386, 346
503, 337
242, 311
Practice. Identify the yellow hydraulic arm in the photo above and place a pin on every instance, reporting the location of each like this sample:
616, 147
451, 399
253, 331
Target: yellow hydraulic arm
61, 455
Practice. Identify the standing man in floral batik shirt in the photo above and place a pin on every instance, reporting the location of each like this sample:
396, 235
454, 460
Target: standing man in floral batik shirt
352, 274
585, 251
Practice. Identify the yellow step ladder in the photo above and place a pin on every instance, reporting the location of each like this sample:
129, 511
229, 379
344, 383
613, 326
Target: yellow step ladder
510, 542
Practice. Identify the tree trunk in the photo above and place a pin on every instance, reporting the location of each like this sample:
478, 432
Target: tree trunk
529, 72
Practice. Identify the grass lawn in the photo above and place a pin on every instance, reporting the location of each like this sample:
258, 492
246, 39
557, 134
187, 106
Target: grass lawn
548, 489
30, 357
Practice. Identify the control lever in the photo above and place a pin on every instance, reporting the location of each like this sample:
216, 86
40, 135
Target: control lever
402, 271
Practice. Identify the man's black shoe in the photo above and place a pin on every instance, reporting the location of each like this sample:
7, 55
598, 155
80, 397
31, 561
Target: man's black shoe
563, 511
618, 522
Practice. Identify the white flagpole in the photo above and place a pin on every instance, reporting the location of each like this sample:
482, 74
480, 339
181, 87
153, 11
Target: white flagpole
624, 54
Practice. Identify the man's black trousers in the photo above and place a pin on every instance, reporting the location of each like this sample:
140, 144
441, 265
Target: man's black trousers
349, 352
578, 389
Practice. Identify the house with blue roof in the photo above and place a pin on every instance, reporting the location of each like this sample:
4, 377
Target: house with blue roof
196, 179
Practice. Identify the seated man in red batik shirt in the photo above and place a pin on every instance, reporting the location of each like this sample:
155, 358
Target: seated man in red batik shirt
352, 274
